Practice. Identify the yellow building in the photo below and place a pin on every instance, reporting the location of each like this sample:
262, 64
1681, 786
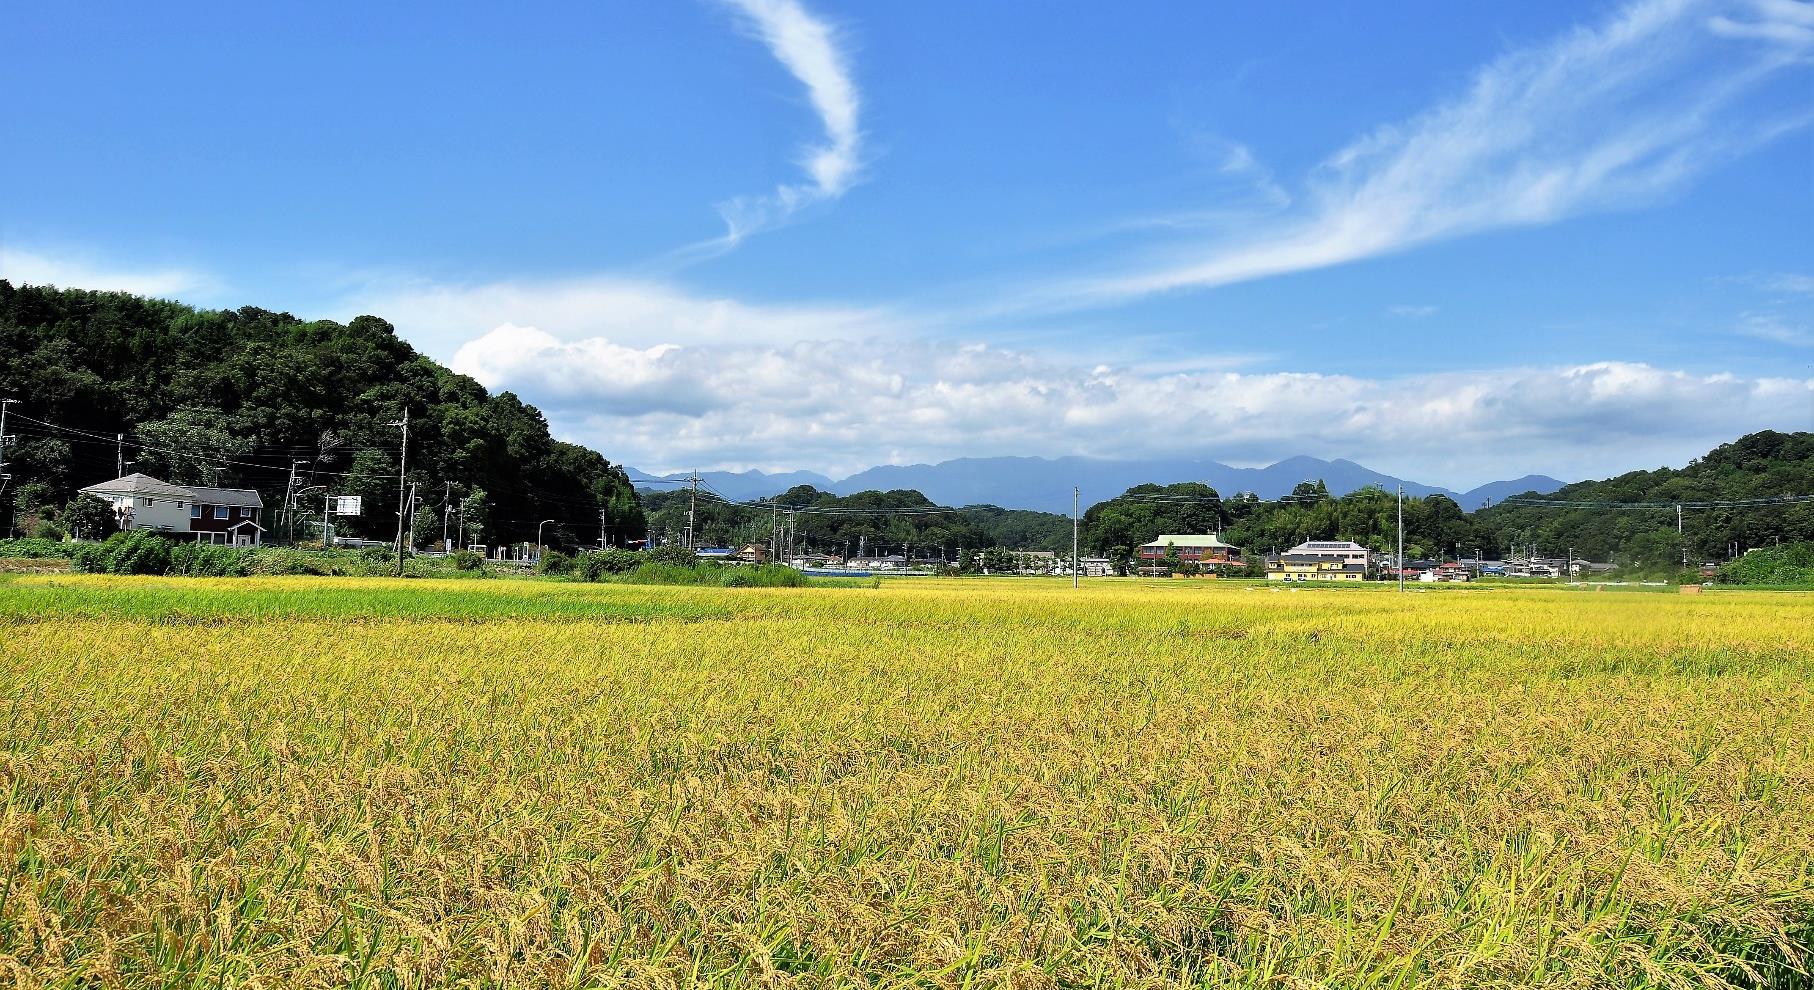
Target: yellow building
1319, 560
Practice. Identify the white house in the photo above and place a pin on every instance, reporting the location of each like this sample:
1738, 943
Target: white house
206, 515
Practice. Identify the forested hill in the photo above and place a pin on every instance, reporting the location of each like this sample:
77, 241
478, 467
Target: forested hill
233, 397
872, 521
1767, 465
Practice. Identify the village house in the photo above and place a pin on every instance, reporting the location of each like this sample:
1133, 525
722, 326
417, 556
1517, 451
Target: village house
227, 516
1319, 560
1203, 549
1446, 572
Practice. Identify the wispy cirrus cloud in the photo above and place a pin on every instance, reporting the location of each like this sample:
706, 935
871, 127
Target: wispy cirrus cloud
809, 48
1602, 117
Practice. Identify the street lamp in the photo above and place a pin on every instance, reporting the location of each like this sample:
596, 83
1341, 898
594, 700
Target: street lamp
538, 537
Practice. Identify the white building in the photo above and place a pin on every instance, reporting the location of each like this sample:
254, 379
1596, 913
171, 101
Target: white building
206, 515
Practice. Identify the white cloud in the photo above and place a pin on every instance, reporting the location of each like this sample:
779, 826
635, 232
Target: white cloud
808, 48
832, 405
1783, 283
1773, 328
84, 272
439, 318
1600, 118
1411, 312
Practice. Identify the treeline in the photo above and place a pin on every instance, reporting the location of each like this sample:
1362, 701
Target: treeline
234, 397
1766, 465
874, 522
1433, 525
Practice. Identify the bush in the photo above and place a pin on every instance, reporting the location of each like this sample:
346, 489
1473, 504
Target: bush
47, 530
466, 560
1791, 563
554, 562
763, 576
38, 549
595, 565
208, 560
672, 554
286, 560
135, 552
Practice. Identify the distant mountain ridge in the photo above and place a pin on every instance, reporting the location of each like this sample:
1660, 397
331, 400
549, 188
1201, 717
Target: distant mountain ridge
1044, 484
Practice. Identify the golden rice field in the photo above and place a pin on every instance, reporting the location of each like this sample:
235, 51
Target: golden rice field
297, 782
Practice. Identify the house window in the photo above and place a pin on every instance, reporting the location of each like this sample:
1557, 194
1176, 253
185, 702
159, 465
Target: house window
195, 511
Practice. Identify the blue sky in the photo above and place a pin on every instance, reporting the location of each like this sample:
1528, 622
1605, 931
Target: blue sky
1455, 242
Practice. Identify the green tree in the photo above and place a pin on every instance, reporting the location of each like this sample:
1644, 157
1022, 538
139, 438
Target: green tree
474, 514
88, 518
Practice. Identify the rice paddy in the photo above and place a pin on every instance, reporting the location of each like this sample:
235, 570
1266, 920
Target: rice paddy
294, 782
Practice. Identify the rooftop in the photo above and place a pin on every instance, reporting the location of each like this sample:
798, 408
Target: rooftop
139, 484
1191, 540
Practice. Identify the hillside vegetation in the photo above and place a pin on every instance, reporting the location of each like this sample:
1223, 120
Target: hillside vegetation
233, 397
1758, 466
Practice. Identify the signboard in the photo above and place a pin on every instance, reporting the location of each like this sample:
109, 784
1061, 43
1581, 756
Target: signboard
348, 505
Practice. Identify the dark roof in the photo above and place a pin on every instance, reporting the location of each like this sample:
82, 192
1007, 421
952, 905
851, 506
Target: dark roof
226, 496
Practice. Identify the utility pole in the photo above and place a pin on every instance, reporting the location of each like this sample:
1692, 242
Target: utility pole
289, 505
1076, 494
119, 455
1401, 538
5, 441
601, 529
402, 469
692, 507
446, 511
1678, 534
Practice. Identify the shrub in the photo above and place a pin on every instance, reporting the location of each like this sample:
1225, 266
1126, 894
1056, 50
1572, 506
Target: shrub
763, 576
554, 562
208, 560
47, 530
38, 549
135, 552
593, 566
672, 554
285, 560
466, 560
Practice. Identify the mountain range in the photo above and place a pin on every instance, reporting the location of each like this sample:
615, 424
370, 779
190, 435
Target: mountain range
1045, 483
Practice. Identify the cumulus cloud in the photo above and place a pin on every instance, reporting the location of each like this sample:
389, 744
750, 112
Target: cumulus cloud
808, 47
839, 405
1600, 118
84, 272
